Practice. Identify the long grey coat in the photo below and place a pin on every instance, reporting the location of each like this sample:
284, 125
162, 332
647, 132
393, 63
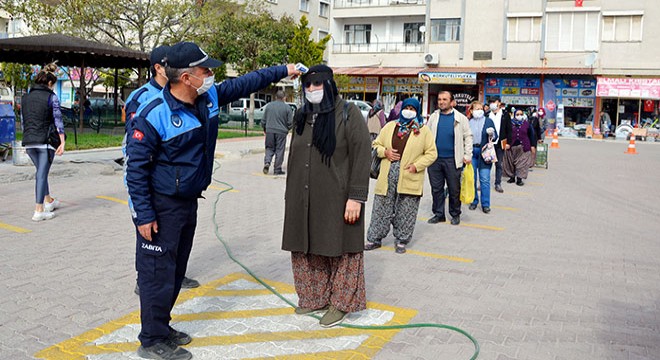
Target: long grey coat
316, 194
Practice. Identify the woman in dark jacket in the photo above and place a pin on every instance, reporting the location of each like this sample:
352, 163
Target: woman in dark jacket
517, 158
43, 136
327, 185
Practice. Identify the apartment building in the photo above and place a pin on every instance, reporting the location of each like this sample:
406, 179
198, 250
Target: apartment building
317, 13
574, 57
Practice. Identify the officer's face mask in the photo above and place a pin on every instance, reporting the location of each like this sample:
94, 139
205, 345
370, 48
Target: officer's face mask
207, 83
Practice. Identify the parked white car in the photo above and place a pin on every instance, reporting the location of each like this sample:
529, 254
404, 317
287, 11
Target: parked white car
364, 107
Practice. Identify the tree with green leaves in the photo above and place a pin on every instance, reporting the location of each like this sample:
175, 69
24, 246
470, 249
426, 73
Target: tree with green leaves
17, 75
303, 49
247, 37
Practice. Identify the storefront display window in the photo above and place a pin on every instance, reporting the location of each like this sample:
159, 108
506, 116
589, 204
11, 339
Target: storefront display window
578, 95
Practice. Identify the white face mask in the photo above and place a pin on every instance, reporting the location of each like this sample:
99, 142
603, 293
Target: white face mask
520, 117
494, 107
207, 83
408, 114
314, 97
478, 114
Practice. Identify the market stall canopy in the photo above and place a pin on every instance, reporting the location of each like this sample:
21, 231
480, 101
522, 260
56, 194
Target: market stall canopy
69, 51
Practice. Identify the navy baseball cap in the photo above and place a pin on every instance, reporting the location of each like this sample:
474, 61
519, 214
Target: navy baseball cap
186, 54
158, 55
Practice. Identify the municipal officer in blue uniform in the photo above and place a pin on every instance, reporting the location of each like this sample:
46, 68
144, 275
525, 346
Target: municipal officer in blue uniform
169, 160
141, 95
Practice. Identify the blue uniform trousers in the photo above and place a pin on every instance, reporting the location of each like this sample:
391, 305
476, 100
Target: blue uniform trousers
161, 264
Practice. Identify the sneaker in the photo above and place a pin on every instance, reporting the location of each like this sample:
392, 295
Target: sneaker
46, 215
511, 180
50, 206
472, 206
265, 170
189, 283
306, 311
456, 220
498, 188
372, 245
279, 172
400, 248
437, 219
165, 350
333, 317
179, 337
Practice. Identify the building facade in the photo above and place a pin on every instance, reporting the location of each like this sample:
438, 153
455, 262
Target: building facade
576, 58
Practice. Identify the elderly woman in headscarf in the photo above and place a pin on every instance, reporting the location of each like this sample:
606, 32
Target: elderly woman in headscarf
376, 119
519, 145
407, 148
326, 188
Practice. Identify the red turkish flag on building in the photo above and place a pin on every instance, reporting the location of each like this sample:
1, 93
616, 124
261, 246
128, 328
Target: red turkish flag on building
649, 106
578, 3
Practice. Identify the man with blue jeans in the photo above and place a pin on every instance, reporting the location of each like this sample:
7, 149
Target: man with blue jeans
453, 140
482, 129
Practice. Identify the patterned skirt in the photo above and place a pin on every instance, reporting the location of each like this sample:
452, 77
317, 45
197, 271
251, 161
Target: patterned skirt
337, 281
516, 162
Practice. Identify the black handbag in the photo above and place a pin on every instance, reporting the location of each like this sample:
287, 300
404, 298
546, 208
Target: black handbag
375, 164
53, 137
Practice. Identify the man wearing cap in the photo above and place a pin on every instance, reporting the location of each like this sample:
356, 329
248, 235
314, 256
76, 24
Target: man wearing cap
169, 163
133, 102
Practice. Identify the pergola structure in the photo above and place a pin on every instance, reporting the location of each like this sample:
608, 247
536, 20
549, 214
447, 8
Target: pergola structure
71, 51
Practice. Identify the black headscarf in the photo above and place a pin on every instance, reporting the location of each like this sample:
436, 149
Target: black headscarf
323, 135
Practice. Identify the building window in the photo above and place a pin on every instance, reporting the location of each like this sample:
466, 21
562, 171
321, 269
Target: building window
524, 29
572, 31
445, 30
304, 5
324, 9
622, 28
357, 34
411, 33
322, 34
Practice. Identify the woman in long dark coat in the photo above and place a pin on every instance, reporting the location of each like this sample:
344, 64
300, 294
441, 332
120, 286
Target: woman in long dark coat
327, 185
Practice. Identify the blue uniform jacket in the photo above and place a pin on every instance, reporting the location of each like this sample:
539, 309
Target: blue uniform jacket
140, 96
170, 145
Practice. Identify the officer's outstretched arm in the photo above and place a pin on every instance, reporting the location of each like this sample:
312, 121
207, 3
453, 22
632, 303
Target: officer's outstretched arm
242, 86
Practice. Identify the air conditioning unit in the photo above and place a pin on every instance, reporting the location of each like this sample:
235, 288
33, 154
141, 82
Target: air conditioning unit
431, 59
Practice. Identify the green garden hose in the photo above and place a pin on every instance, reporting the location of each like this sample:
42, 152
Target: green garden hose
363, 327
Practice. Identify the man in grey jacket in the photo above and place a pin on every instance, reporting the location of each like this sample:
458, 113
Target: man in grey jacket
277, 121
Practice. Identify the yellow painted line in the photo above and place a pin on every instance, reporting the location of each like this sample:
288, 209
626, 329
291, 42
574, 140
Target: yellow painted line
79, 347
222, 188
476, 226
13, 228
504, 208
432, 255
110, 198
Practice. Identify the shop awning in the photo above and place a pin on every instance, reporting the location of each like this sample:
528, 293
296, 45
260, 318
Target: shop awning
413, 71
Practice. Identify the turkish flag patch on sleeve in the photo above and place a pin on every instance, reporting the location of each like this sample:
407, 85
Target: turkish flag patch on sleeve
138, 135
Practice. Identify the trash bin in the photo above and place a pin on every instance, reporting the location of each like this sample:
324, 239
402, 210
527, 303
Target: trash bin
7, 129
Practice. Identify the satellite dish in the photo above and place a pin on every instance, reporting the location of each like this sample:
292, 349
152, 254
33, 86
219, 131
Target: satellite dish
590, 59
422, 29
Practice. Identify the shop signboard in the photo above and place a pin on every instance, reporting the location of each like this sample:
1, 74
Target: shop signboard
401, 85
463, 99
634, 88
515, 91
520, 100
574, 92
448, 78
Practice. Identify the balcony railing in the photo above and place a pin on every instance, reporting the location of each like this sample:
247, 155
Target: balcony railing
378, 47
367, 3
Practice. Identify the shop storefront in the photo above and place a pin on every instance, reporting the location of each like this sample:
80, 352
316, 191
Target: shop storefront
462, 85
632, 101
577, 96
519, 92
367, 84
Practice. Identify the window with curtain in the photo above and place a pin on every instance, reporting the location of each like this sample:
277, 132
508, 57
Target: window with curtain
445, 30
572, 31
304, 5
357, 34
324, 9
622, 28
411, 33
524, 29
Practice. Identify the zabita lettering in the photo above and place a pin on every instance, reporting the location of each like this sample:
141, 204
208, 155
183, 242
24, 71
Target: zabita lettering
152, 247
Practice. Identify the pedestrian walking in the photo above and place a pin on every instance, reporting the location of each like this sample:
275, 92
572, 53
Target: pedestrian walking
376, 119
407, 148
326, 188
453, 140
517, 158
171, 142
502, 122
43, 136
483, 131
276, 123
141, 95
